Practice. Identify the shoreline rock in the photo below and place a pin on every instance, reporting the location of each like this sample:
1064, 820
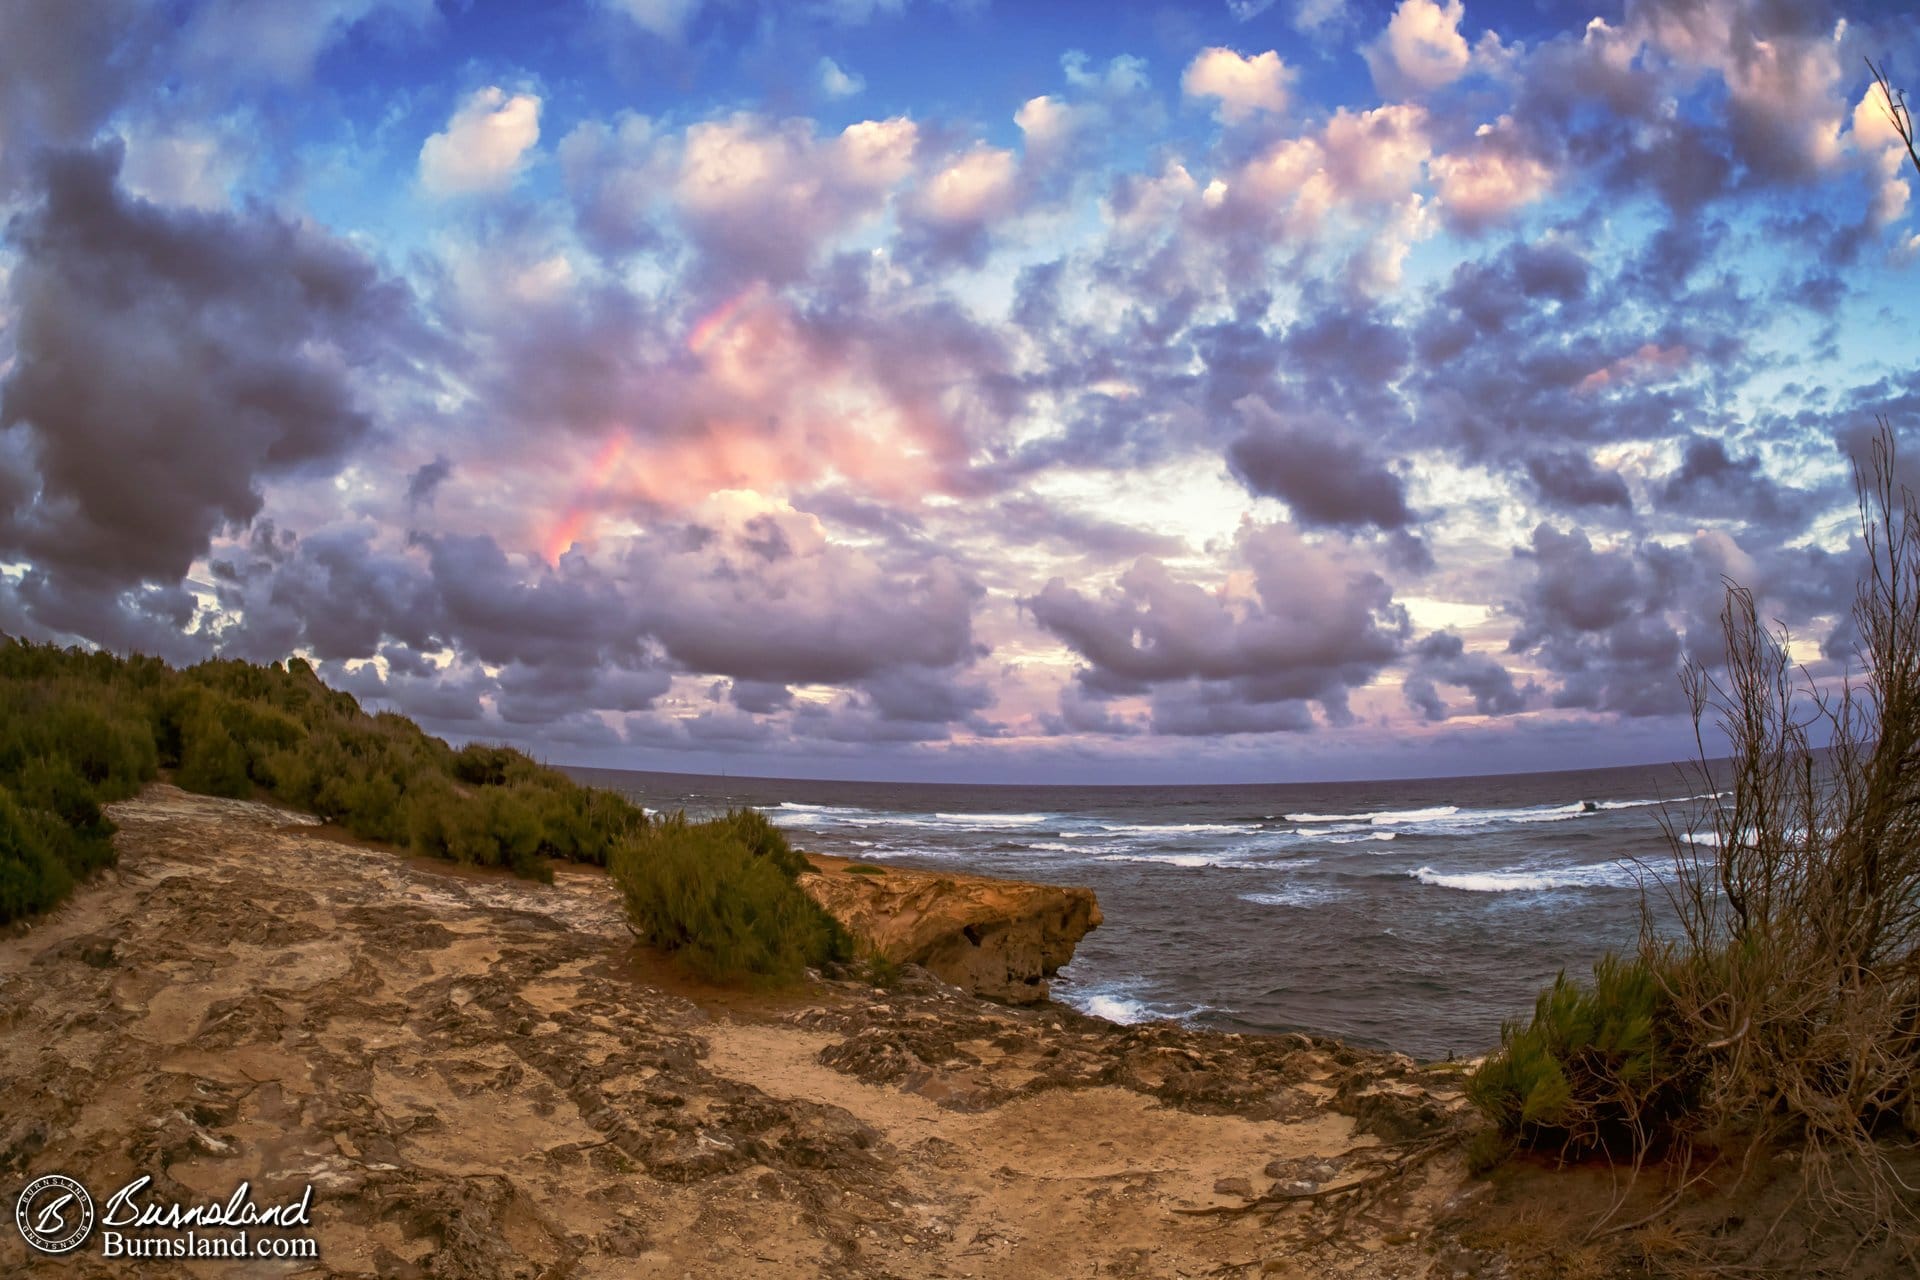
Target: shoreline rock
1001, 939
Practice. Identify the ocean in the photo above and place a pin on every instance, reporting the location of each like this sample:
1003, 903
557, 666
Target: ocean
1408, 915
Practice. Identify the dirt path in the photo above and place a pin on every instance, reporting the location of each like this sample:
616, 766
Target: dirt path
478, 1079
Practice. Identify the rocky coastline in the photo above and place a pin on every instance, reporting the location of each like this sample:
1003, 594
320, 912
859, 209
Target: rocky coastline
480, 1076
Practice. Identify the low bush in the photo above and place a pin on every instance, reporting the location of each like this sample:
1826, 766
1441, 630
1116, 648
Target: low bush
721, 895
1592, 1072
36, 867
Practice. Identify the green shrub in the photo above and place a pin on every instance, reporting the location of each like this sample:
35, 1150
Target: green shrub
765, 840
721, 898
212, 761
34, 859
1593, 1072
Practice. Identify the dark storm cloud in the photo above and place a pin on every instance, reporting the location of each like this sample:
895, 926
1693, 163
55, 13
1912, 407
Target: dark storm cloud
501, 613
1569, 479
822, 614
334, 592
437, 698
924, 695
1442, 659
1709, 482
764, 602
758, 697
1209, 708
1328, 481
151, 618
548, 694
427, 479
64, 65
1601, 621
1195, 650
855, 720
1085, 711
168, 362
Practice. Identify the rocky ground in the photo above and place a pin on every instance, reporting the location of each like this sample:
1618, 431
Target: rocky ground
480, 1077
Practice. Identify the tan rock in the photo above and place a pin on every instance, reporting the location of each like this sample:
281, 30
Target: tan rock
996, 938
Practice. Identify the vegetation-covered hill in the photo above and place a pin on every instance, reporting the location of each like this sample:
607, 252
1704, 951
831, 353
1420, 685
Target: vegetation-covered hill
79, 730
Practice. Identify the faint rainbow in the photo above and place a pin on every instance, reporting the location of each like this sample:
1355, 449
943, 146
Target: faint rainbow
722, 320
574, 521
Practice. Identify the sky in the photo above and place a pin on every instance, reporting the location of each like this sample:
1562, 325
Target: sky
1248, 390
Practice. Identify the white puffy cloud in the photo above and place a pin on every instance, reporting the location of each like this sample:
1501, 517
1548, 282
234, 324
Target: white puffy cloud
976, 188
1047, 123
1242, 85
483, 145
1886, 152
1421, 49
764, 195
664, 18
1497, 174
836, 81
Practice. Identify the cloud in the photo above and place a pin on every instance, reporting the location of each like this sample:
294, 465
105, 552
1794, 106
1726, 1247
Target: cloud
1782, 71
64, 66
1421, 50
484, 145
1569, 479
766, 596
733, 173
202, 353
615, 175
1202, 652
953, 210
1441, 658
664, 18
1709, 482
1496, 175
1363, 159
1886, 155
1326, 478
1602, 620
1319, 17
1243, 86
268, 40
837, 82
427, 479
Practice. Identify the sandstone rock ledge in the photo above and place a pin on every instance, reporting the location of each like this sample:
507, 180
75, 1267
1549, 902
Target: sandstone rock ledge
1001, 939
482, 1078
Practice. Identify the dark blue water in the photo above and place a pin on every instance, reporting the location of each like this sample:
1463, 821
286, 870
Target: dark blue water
1412, 915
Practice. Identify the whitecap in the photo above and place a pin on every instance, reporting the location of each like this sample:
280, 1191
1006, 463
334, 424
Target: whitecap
1174, 859
992, 819
1604, 875
1295, 895
1384, 818
1166, 828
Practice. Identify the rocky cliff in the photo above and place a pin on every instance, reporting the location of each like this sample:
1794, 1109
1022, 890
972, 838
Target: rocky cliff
996, 938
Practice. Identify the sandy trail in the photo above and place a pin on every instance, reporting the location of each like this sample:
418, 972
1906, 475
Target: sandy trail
479, 1078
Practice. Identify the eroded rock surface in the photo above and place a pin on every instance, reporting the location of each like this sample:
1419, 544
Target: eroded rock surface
480, 1079
1001, 939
